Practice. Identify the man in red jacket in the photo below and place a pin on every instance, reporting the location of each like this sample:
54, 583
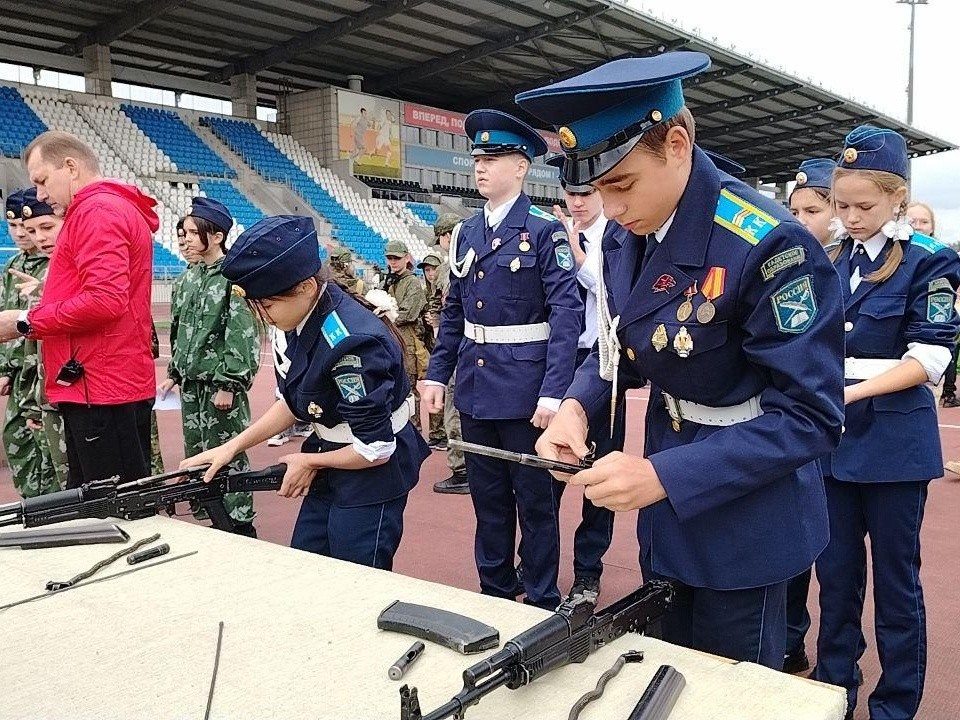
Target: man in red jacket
94, 315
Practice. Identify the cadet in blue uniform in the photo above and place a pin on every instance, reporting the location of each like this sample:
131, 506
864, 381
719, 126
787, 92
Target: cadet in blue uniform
899, 289
587, 227
344, 373
509, 328
730, 309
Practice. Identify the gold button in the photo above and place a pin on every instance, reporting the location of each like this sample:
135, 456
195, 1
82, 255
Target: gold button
479, 304
480, 274
479, 362
631, 354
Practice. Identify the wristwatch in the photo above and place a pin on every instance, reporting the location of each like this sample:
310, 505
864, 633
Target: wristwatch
23, 325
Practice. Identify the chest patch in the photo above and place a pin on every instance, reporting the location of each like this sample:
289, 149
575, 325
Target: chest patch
351, 387
334, 330
795, 306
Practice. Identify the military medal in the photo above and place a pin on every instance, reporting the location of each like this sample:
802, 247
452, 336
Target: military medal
524, 246
712, 289
515, 264
683, 343
686, 307
314, 410
660, 339
664, 283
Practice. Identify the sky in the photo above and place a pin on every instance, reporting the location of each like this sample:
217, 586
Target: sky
860, 50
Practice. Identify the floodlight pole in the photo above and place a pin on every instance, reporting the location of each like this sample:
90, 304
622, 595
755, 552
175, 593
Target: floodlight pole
913, 14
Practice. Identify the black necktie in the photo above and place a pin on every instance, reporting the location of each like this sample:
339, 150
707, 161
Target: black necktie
651, 246
583, 242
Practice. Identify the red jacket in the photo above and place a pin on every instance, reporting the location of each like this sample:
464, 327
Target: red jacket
96, 299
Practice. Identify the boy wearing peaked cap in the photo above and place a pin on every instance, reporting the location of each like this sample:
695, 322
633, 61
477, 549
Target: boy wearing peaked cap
726, 305
509, 328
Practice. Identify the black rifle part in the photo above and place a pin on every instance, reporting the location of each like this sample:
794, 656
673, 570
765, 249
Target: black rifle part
216, 669
148, 554
661, 695
567, 636
397, 670
142, 498
96, 580
61, 584
634, 656
452, 630
93, 534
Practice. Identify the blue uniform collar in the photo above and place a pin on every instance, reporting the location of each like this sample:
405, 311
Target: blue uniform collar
308, 335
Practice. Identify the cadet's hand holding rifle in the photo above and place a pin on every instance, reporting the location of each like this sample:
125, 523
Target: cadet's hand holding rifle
616, 481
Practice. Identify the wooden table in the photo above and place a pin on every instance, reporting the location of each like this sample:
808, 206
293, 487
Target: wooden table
301, 641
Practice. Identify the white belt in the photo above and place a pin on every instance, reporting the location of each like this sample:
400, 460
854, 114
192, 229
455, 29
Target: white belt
680, 410
343, 434
866, 368
506, 334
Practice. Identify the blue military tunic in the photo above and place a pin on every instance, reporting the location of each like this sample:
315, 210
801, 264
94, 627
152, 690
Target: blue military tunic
745, 503
346, 366
914, 305
523, 274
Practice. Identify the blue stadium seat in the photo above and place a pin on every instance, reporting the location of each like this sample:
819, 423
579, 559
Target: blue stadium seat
243, 211
245, 139
171, 134
19, 125
424, 212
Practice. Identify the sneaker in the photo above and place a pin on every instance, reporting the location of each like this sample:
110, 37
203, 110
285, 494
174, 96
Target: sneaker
453, 485
278, 439
589, 587
953, 466
303, 429
950, 401
796, 662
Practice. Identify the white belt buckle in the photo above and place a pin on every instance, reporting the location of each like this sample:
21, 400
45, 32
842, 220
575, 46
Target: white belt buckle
673, 410
479, 334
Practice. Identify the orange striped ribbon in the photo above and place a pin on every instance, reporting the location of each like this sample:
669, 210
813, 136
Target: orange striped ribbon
712, 287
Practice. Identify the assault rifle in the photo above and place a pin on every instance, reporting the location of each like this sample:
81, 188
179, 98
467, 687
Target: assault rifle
568, 636
142, 498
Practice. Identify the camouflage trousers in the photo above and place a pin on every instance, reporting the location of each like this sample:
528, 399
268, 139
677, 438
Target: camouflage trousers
415, 361
26, 450
205, 427
56, 444
156, 457
451, 423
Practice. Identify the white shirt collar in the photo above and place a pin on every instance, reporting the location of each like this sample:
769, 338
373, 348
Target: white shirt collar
662, 231
595, 231
873, 246
495, 217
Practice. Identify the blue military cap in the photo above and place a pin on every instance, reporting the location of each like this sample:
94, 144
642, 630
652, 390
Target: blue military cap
272, 256
601, 115
725, 164
816, 173
872, 148
14, 205
212, 210
557, 161
31, 206
492, 132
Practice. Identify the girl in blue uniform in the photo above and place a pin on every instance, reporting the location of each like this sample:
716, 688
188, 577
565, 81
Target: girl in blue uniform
810, 199
343, 372
900, 324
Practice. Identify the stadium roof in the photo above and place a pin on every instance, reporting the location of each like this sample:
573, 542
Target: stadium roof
447, 53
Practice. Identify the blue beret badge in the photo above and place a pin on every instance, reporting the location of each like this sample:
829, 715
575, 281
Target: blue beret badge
795, 306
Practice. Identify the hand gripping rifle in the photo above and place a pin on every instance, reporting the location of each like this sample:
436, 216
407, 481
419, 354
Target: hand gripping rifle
568, 636
142, 498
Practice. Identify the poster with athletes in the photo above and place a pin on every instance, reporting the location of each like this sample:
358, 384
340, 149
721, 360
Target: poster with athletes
369, 133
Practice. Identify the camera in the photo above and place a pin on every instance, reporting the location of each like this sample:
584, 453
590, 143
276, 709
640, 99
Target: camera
71, 371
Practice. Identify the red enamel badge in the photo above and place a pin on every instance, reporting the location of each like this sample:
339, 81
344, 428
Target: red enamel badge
664, 283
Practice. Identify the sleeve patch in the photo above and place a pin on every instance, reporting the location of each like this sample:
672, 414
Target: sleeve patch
795, 306
939, 307
781, 261
333, 329
743, 219
564, 255
347, 361
559, 236
351, 387
939, 284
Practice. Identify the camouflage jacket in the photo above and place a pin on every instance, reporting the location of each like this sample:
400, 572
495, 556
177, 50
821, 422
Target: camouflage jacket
346, 279
213, 334
14, 355
409, 296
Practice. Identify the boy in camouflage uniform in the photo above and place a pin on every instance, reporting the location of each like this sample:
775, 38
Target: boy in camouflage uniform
341, 271
215, 350
456, 484
25, 447
406, 289
430, 324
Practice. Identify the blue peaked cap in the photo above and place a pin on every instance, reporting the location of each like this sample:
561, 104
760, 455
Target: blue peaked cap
492, 132
872, 148
557, 161
272, 256
601, 115
816, 173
